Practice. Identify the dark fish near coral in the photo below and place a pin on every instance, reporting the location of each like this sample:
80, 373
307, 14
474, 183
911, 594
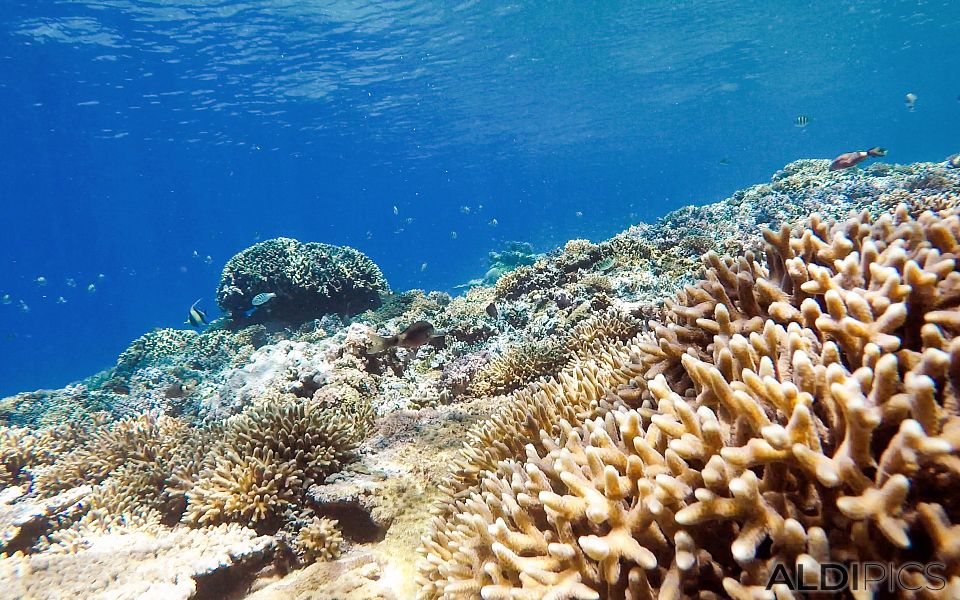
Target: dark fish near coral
196, 317
852, 159
492, 310
414, 336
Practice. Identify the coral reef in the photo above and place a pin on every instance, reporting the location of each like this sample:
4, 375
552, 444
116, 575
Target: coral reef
794, 415
309, 280
636, 417
267, 458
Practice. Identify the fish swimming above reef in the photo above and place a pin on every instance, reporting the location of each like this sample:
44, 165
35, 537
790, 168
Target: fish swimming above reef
414, 336
953, 162
910, 100
196, 318
852, 159
262, 298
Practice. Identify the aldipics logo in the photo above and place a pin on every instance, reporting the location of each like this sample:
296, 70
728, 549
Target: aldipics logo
859, 576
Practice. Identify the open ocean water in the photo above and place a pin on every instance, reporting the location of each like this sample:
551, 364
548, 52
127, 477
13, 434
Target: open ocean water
144, 142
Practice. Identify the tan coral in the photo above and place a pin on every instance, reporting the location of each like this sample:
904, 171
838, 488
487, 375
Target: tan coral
788, 414
319, 540
130, 562
519, 366
268, 457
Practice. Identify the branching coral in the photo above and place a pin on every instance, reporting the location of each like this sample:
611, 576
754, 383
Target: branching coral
519, 366
607, 327
136, 445
268, 458
789, 415
319, 539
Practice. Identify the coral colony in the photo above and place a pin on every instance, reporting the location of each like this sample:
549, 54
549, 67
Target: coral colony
716, 405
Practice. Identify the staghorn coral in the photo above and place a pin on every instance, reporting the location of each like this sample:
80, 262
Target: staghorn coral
519, 366
268, 457
17, 450
789, 415
310, 280
126, 450
609, 326
318, 540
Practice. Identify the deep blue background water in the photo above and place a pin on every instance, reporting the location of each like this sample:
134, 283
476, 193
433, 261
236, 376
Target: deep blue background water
134, 133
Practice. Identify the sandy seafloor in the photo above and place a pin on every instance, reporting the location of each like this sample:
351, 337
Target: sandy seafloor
268, 459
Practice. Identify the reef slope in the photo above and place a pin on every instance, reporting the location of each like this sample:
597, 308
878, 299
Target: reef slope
606, 420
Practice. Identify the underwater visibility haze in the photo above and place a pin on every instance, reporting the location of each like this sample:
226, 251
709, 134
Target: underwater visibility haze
144, 143
405, 300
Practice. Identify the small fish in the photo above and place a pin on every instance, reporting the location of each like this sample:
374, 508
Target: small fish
396, 210
61, 300
101, 276
465, 210
196, 254
24, 307
453, 235
492, 311
41, 281
196, 317
91, 289
6, 299
262, 298
579, 213
953, 162
470, 284
423, 267
606, 264
801, 121
724, 161
414, 336
910, 100
493, 223
851, 159
208, 259
71, 282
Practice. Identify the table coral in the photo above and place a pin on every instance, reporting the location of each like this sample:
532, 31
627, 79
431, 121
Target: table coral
129, 562
790, 414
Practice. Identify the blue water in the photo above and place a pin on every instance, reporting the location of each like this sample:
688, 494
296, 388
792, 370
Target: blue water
136, 133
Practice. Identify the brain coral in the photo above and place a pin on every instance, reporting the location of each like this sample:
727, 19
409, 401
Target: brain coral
792, 414
310, 280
